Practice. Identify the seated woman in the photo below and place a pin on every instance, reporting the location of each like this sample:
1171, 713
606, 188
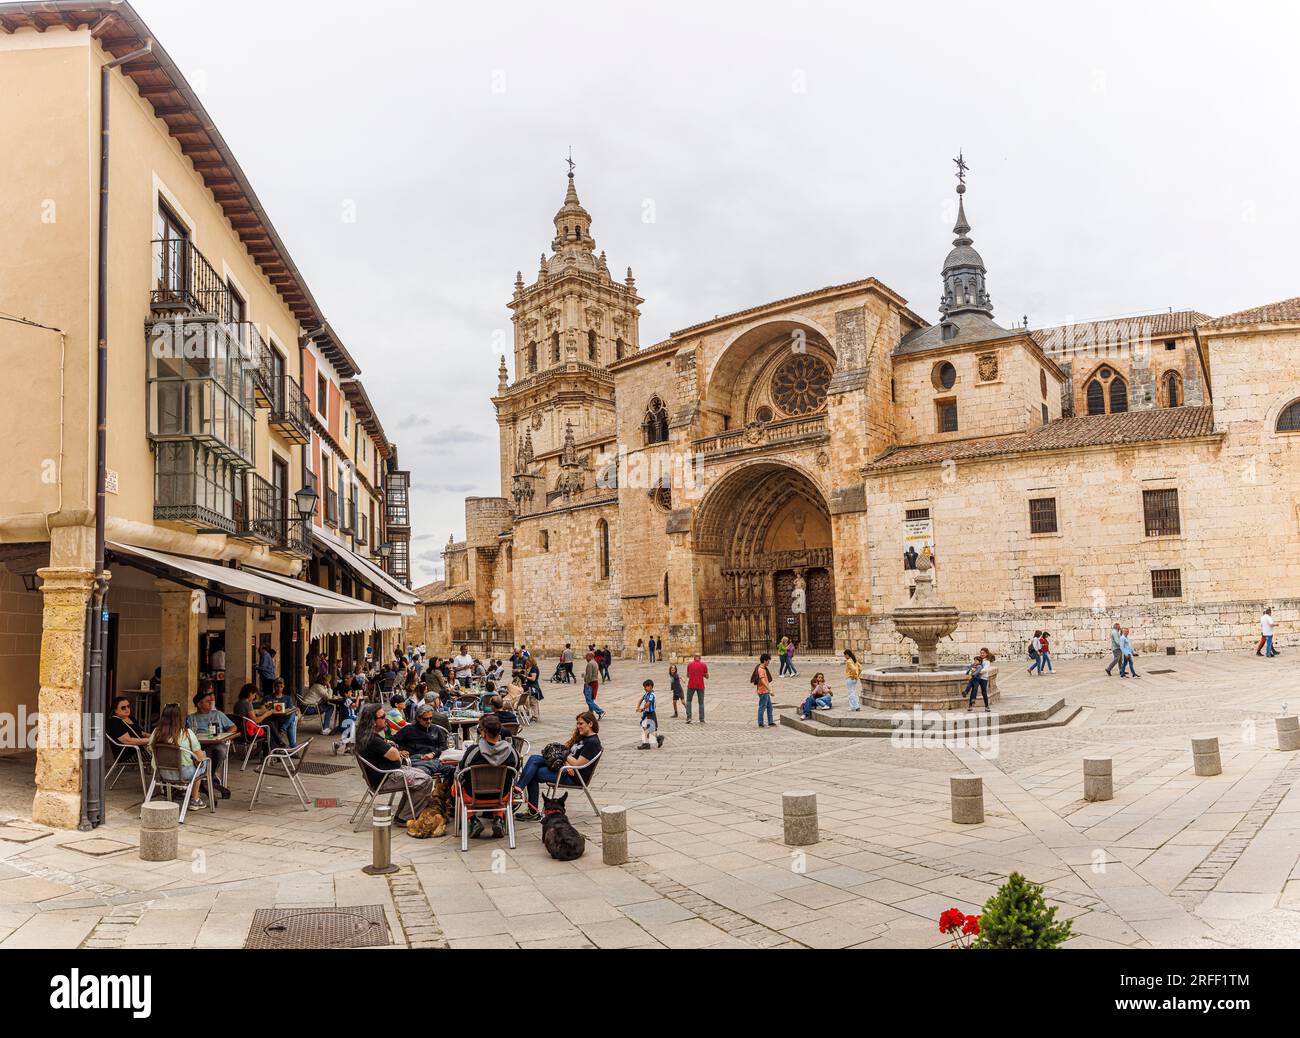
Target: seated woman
379, 753
319, 697
819, 698
583, 746
121, 726
171, 731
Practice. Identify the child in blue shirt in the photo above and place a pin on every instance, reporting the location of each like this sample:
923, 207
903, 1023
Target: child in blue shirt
649, 719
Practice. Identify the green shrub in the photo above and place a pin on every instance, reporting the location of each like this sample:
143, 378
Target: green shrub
1018, 917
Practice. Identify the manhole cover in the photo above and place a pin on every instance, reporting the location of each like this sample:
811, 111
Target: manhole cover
312, 767
275, 928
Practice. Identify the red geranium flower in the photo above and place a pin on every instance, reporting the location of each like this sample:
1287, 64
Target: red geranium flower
971, 927
952, 920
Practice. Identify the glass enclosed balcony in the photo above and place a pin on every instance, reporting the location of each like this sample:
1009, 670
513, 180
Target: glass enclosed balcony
195, 485
398, 499
200, 382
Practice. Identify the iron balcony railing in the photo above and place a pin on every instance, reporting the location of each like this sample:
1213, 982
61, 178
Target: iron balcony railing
350, 518
184, 280
262, 514
331, 508
200, 388
280, 393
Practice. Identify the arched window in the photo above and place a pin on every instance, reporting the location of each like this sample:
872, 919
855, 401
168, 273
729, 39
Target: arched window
1118, 395
555, 347
1289, 419
1096, 398
591, 346
1173, 389
532, 358
656, 422
602, 549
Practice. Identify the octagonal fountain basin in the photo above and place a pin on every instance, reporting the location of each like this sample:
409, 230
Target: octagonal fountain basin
902, 688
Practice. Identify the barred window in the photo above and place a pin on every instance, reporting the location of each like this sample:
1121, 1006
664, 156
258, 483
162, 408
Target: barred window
1042, 515
1160, 508
1166, 583
1047, 590
916, 515
947, 416
1289, 419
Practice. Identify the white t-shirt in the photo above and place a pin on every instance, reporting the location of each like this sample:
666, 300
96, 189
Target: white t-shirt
464, 666
1266, 623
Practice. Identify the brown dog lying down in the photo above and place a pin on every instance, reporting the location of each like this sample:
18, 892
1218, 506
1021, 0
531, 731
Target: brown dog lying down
433, 819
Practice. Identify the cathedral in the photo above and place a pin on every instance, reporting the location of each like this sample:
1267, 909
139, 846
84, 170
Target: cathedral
779, 470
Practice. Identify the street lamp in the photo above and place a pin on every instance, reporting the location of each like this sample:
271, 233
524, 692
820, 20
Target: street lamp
305, 500
385, 550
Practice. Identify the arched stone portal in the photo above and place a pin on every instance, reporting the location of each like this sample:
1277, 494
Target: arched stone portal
760, 531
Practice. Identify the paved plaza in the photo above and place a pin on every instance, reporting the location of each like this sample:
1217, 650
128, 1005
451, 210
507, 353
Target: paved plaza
1173, 861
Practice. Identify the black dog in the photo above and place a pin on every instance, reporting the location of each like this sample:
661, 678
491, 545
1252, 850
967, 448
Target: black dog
561, 839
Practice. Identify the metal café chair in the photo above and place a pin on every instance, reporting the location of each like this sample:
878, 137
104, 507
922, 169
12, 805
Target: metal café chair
120, 762
576, 781
168, 758
491, 792
291, 761
374, 778
254, 732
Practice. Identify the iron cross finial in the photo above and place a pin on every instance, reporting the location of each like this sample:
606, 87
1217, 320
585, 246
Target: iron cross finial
962, 168
572, 164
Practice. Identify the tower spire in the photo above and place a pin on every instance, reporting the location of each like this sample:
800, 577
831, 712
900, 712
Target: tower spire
964, 288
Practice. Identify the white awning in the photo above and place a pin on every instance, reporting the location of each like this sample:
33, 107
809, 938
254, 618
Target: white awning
371, 574
385, 619
330, 613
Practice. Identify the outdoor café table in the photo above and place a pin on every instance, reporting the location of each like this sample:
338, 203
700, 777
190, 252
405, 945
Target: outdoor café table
465, 720
207, 741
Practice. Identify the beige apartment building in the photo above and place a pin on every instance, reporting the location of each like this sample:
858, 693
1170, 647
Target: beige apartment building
251, 497
1143, 471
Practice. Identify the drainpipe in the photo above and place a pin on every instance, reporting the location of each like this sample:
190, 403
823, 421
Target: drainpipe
92, 770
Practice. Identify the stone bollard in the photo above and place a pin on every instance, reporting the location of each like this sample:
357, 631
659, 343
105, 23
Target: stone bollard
1288, 733
613, 835
967, 799
160, 831
1098, 783
799, 810
1205, 755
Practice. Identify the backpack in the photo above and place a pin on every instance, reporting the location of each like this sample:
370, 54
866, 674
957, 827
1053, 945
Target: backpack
555, 755
1033, 650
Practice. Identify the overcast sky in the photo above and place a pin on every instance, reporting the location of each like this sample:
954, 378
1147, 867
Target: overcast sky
1124, 158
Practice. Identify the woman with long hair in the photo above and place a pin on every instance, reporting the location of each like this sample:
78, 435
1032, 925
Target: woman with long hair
675, 683
852, 676
383, 756
582, 749
819, 696
761, 679
171, 731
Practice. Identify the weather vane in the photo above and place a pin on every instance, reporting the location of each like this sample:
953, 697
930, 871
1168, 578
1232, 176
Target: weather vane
572, 164
962, 169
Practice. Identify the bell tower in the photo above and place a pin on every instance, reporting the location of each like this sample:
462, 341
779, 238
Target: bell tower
575, 312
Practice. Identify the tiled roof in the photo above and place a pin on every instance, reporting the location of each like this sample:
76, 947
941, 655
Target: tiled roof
1286, 310
457, 595
427, 592
1118, 330
1169, 423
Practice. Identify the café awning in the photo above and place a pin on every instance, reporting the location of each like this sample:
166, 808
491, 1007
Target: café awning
367, 572
329, 613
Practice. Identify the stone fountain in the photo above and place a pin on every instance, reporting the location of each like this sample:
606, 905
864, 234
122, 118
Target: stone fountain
931, 686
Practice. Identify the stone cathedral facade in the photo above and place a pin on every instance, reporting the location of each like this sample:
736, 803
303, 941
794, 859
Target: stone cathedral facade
1145, 471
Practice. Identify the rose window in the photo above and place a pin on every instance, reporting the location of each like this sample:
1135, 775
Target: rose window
800, 384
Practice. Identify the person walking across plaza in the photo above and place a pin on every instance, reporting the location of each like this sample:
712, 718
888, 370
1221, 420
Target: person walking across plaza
266, 671
675, 681
1044, 653
781, 648
566, 659
1116, 653
654, 645
761, 679
852, 678
1035, 644
697, 673
640, 651
1126, 653
591, 685
789, 656
649, 716
1266, 625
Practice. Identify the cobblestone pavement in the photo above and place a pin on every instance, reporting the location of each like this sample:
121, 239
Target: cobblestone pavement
1174, 860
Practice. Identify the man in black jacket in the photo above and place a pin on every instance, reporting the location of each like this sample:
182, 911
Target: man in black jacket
423, 741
